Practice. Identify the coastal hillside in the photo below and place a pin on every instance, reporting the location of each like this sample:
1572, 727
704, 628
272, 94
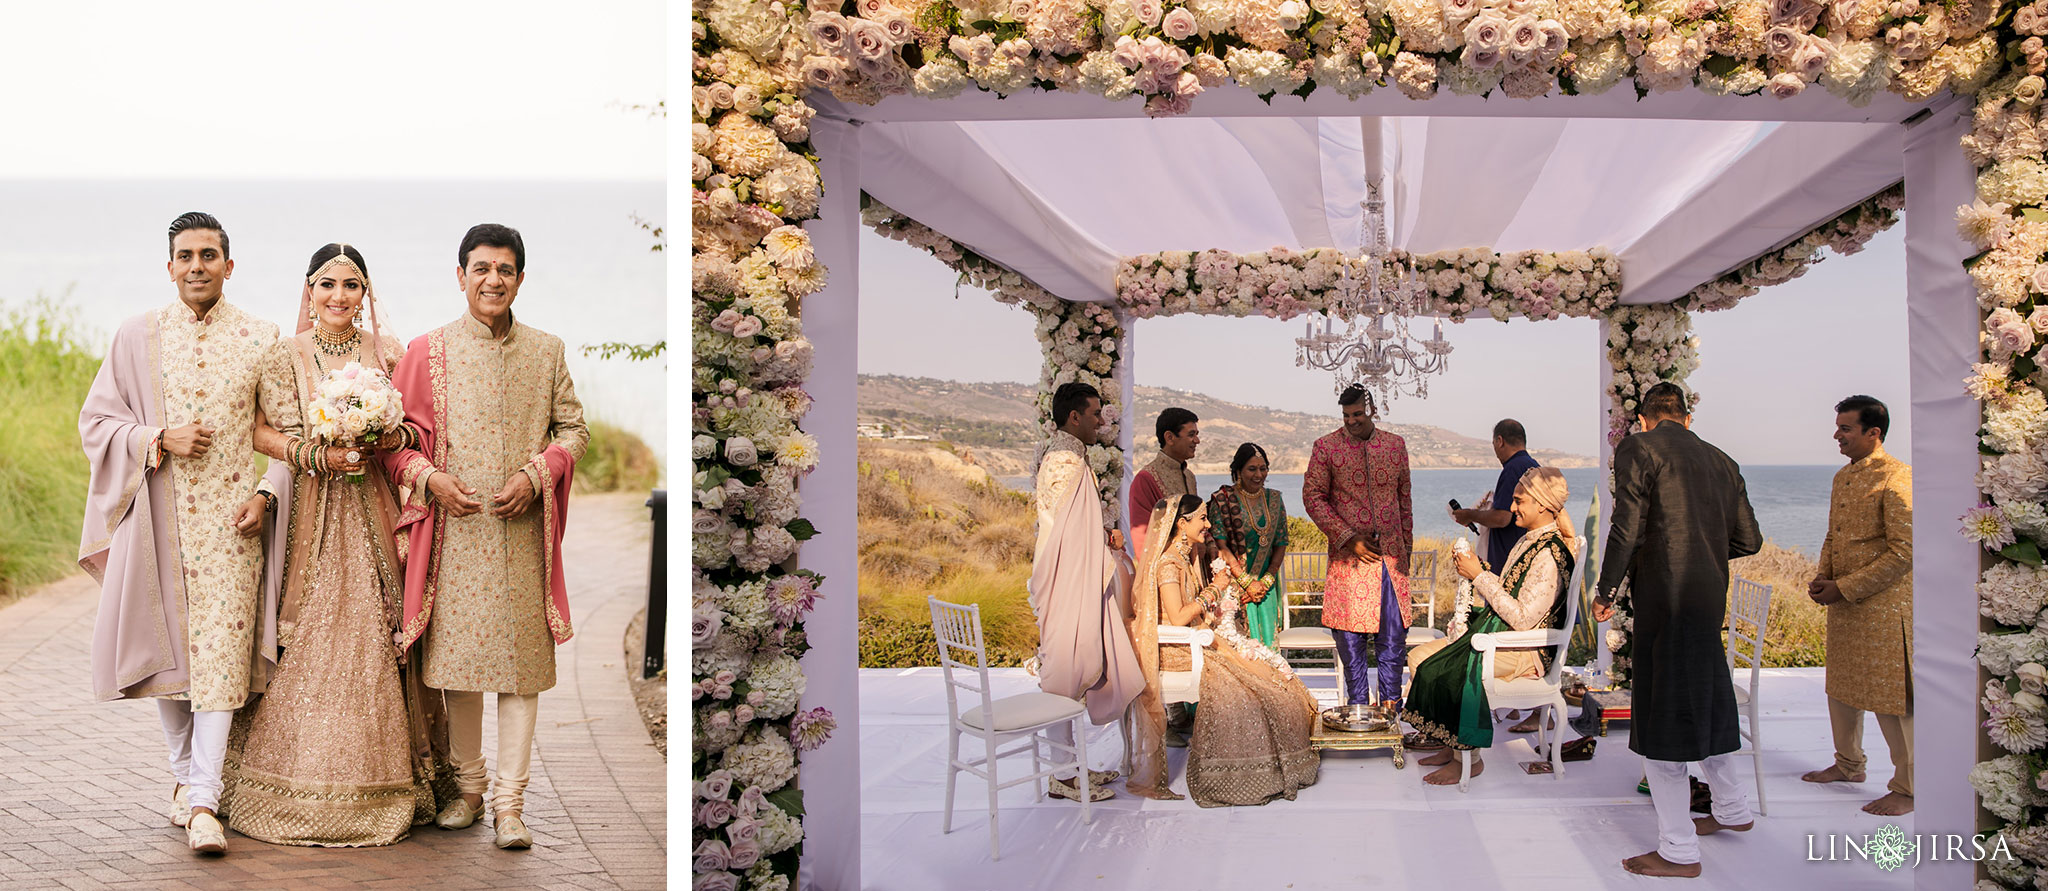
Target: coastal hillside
995, 425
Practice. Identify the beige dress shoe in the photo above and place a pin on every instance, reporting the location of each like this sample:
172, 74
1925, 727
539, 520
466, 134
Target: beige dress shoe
205, 834
181, 811
512, 833
459, 814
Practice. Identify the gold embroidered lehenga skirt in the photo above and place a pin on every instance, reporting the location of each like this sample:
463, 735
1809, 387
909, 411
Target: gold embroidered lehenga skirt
346, 748
1252, 728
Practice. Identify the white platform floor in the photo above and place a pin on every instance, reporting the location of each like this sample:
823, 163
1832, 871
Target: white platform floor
1363, 825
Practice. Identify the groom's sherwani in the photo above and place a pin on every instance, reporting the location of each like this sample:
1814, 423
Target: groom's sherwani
178, 609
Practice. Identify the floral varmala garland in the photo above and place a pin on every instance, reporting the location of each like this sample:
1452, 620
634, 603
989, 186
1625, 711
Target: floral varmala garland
754, 180
1167, 53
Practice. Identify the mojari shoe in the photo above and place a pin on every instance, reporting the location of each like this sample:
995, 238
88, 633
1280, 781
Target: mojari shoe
459, 814
205, 834
181, 812
512, 833
1071, 791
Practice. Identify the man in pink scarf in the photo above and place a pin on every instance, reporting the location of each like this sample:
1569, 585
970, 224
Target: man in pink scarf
1080, 583
491, 404
169, 511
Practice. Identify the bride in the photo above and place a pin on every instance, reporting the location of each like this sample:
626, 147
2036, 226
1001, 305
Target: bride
1251, 739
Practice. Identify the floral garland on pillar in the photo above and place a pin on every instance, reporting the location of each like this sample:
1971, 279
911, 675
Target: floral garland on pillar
754, 180
1081, 341
2009, 223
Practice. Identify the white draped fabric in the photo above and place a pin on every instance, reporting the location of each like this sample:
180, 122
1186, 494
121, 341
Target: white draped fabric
1681, 202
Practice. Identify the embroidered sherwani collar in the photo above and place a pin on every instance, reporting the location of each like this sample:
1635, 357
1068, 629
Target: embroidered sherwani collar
475, 327
181, 312
1062, 441
1876, 457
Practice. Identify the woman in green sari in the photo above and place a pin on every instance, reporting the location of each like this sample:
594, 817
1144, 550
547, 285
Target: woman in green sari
1251, 523
1447, 699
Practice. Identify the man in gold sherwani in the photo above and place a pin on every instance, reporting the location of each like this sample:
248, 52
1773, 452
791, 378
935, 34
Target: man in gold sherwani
1866, 582
500, 431
173, 498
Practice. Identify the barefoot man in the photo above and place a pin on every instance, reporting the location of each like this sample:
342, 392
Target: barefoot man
1680, 512
1866, 582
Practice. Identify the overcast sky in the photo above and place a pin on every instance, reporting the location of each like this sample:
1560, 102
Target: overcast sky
1771, 372
243, 89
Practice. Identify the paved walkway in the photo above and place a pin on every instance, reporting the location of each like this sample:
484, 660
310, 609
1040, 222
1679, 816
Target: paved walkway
82, 783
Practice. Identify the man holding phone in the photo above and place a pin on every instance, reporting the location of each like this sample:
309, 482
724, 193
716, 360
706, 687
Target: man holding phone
1357, 492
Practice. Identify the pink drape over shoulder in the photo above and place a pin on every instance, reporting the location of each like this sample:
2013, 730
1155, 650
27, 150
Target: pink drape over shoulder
1076, 585
421, 379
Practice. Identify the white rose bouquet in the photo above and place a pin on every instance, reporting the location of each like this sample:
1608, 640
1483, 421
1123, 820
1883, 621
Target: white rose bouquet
355, 406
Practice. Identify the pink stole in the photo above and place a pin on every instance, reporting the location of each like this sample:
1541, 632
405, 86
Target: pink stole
421, 377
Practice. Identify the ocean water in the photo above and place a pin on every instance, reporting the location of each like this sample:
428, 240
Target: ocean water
98, 247
1791, 501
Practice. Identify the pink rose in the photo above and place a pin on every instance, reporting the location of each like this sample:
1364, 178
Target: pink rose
2040, 278
1166, 105
872, 9
743, 829
1179, 24
763, 353
743, 715
716, 784
1147, 11
709, 857
721, 94
726, 320
1524, 37
1459, 10
1487, 31
823, 72
744, 854
899, 27
705, 522
1786, 85
2038, 320
752, 801
1812, 57
828, 31
741, 451
756, 697
868, 39
1782, 41
721, 719
715, 881
713, 814
1555, 38
746, 327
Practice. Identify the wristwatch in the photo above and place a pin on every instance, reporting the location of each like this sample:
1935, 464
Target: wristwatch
269, 502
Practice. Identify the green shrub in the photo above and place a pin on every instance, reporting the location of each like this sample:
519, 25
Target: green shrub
45, 370
616, 461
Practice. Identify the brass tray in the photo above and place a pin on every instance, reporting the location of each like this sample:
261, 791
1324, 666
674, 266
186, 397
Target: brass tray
1355, 719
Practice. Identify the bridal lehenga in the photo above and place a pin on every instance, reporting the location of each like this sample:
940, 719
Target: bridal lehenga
346, 747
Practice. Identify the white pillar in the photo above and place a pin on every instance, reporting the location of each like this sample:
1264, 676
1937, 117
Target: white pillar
1942, 320
830, 775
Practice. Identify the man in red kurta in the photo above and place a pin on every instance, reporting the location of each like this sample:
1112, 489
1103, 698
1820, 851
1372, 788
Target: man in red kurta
1357, 491
1168, 475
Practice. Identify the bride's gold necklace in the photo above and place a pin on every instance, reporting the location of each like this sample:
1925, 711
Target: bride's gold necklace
337, 344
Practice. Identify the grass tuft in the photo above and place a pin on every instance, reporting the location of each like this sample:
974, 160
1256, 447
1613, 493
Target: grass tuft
46, 368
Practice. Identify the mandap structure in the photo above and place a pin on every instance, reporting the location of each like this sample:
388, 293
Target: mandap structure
1100, 162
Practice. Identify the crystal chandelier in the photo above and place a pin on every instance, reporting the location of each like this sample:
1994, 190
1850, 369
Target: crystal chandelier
1375, 348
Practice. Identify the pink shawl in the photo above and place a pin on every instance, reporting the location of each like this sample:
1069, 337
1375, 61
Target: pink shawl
422, 379
1083, 642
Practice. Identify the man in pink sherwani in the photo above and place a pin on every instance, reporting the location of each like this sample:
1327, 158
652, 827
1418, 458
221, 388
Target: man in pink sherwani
1356, 491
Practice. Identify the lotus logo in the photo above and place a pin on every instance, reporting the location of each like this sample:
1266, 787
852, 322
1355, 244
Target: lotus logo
1890, 848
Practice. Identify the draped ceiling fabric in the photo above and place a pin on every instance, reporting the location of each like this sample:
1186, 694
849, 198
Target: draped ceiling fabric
1681, 202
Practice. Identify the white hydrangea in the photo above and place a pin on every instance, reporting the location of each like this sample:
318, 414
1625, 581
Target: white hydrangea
2004, 784
779, 831
2013, 593
2018, 423
1261, 71
761, 759
780, 680
941, 78
763, 877
731, 652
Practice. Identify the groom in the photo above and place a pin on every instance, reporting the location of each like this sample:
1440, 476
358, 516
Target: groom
172, 501
491, 404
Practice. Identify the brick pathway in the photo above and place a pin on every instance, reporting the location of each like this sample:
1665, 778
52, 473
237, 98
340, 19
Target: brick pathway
82, 784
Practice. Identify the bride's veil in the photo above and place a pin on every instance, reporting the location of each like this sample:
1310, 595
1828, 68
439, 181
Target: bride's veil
1148, 717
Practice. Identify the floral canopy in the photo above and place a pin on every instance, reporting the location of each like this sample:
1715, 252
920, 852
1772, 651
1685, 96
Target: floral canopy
1101, 161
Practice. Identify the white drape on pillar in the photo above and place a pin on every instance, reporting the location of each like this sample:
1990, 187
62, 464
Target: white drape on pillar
830, 775
1942, 313
1605, 493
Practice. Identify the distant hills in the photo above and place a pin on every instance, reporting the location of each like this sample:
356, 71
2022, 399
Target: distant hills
997, 425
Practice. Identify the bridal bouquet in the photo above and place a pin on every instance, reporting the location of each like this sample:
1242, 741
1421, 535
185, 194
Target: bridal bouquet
355, 406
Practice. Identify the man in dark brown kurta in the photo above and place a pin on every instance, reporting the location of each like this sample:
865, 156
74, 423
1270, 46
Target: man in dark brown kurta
1680, 512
